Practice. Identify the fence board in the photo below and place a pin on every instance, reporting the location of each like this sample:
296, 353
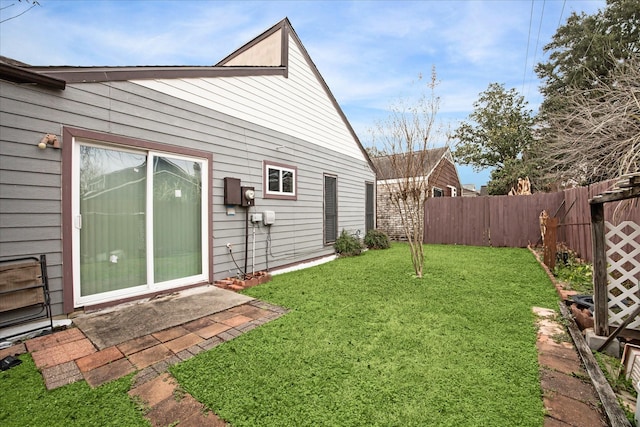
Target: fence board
513, 221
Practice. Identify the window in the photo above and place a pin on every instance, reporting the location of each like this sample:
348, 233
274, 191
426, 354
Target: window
330, 209
454, 190
437, 192
280, 181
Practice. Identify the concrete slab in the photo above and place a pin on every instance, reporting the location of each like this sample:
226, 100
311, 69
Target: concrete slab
115, 326
595, 341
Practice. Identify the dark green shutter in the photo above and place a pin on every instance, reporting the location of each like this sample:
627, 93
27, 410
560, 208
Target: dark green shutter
330, 209
369, 210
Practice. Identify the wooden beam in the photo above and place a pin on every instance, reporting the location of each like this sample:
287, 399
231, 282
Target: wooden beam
612, 409
550, 243
600, 297
616, 195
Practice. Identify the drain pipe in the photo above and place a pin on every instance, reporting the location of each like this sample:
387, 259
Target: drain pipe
246, 239
253, 250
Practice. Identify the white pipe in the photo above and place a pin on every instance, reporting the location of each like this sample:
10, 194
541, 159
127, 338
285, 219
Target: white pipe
253, 250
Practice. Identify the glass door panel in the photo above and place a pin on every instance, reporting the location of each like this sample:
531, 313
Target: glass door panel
177, 218
112, 210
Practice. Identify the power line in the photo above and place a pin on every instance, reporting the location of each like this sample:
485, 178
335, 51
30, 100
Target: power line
561, 14
535, 52
526, 56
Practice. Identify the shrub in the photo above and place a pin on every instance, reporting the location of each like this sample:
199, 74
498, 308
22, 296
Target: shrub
573, 271
347, 245
377, 239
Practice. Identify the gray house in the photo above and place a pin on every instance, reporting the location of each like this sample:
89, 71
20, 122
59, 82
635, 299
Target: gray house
151, 179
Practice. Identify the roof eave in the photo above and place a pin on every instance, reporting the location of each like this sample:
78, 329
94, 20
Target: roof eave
107, 74
21, 75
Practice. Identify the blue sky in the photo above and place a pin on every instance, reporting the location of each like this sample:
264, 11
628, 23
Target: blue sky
369, 52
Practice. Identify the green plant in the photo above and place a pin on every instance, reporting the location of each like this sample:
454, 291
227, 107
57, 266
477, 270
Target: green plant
613, 371
347, 245
377, 239
576, 274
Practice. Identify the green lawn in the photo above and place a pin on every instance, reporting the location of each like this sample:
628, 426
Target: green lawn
24, 401
366, 343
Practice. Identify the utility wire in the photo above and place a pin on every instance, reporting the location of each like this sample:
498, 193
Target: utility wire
526, 56
535, 51
20, 14
561, 14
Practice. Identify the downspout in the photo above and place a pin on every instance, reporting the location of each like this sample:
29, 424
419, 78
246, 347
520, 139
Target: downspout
246, 239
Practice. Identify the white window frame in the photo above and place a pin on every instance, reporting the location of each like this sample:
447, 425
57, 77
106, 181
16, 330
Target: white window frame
433, 191
151, 285
281, 168
454, 190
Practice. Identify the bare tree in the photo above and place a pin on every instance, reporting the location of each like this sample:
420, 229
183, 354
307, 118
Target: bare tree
405, 137
596, 136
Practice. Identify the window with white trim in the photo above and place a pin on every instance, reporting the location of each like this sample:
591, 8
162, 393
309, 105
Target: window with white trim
280, 181
437, 192
454, 190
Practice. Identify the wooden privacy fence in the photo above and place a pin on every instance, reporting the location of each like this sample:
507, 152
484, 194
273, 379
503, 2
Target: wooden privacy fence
513, 221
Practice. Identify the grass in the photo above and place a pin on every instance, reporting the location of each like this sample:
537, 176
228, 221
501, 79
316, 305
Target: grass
26, 402
367, 344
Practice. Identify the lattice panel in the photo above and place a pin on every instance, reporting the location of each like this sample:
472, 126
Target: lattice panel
623, 268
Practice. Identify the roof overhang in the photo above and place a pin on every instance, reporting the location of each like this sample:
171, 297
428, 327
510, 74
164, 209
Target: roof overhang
21, 75
109, 74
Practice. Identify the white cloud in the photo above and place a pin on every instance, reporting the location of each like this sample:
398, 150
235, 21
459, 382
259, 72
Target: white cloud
369, 52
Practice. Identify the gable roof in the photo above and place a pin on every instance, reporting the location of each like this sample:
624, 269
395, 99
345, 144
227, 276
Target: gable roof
265, 55
389, 167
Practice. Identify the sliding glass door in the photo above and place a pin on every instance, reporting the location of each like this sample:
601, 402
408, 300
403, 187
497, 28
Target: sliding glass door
140, 222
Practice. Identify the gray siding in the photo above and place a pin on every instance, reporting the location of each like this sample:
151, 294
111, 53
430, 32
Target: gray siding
30, 179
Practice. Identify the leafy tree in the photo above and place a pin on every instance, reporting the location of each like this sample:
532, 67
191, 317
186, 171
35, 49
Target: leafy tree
588, 121
406, 136
587, 49
499, 135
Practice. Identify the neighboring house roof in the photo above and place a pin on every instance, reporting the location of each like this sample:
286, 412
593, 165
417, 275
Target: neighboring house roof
266, 55
390, 167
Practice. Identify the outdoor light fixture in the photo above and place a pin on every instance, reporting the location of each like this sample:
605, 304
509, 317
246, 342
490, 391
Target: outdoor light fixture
49, 139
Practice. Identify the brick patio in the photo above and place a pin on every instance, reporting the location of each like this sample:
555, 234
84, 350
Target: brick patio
68, 356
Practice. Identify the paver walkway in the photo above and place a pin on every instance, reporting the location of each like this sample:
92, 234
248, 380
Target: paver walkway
568, 395
69, 356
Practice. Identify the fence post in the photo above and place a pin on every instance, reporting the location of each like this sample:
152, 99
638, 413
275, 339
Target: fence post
600, 299
550, 242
